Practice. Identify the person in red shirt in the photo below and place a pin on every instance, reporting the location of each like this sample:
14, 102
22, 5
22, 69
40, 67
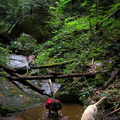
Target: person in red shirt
53, 105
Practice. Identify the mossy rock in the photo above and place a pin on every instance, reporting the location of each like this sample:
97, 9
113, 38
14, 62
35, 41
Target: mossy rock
13, 99
30, 25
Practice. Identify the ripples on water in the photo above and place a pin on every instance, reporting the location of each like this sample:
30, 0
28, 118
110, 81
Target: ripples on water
68, 112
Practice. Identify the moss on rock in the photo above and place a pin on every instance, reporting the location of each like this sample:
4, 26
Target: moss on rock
12, 99
30, 25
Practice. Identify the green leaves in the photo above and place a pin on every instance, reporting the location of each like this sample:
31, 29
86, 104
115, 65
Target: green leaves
23, 45
3, 54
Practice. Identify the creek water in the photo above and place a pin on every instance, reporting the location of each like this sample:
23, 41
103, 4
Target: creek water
68, 112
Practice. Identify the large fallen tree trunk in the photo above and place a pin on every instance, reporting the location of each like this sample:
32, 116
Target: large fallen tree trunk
19, 78
10, 71
13, 72
15, 76
30, 85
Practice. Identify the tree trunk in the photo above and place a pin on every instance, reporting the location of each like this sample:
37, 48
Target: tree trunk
111, 79
21, 78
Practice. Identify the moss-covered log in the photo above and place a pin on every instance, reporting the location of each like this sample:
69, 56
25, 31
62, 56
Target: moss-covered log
20, 78
53, 65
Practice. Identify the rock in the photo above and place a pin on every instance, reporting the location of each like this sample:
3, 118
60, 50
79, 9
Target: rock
30, 25
17, 61
14, 99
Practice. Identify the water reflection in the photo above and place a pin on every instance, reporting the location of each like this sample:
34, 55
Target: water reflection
68, 112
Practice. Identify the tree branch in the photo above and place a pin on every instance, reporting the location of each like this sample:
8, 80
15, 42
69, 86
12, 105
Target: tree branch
53, 65
111, 79
108, 17
112, 112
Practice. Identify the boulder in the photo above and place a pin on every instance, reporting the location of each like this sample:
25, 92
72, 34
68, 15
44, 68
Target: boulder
32, 26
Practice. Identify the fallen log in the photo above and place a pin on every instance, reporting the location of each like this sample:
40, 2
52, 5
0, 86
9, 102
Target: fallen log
30, 85
7, 69
112, 112
52, 65
111, 79
39, 67
33, 87
19, 78
10, 71
14, 76
14, 73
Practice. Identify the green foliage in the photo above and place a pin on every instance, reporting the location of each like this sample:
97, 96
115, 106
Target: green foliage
73, 40
85, 92
74, 37
2, 27
42, 58
12, 11
72, 88
58, 13
61, 4
3, 54
24, 45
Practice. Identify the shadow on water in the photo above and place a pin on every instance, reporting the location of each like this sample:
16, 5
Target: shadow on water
68, 112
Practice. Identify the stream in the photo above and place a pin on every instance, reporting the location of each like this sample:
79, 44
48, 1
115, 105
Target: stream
39, 112
71, 111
